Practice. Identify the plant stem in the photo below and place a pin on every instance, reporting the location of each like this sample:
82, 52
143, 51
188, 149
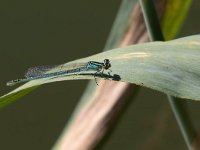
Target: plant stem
183, 121
104, 100
155, 34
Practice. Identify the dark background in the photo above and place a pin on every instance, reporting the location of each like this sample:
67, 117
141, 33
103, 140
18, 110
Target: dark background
46, 32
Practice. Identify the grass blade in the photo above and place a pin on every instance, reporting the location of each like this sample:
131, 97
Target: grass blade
170, 67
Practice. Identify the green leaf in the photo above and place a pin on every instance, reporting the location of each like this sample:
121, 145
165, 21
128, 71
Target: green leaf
14, 95
171, 67
173, 18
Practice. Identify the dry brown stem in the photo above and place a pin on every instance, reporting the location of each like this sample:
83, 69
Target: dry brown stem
93, 120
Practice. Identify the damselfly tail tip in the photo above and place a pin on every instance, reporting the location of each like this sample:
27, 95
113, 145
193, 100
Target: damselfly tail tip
10, 83
13, 82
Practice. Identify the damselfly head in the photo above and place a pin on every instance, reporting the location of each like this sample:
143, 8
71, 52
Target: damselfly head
107, 64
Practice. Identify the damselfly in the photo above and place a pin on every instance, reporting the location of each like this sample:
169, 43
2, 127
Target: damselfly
57, 71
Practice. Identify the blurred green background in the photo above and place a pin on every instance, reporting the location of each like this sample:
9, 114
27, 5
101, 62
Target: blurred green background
45, 32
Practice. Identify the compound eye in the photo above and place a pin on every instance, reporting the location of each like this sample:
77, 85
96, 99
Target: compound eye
107, 63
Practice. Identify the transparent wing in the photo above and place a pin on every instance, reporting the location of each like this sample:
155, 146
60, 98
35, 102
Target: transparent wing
40, 70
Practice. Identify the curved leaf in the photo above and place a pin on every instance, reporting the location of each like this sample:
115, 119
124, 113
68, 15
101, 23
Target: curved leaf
170, 67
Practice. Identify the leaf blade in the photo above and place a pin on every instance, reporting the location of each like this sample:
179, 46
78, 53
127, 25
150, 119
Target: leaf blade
170, 67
